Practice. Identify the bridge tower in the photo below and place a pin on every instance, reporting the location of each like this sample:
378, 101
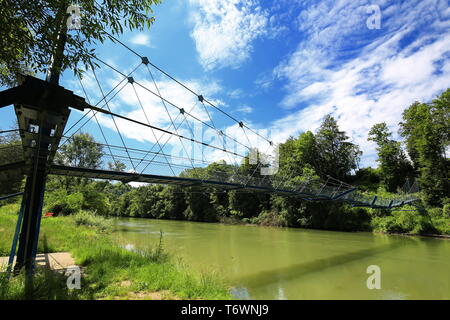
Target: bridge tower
42, 110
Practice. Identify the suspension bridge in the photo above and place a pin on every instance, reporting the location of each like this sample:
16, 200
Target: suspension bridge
43, 109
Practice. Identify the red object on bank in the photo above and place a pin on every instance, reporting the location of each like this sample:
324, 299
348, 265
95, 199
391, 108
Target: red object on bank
49, 214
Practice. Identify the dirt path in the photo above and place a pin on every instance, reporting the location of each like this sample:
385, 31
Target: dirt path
57, 261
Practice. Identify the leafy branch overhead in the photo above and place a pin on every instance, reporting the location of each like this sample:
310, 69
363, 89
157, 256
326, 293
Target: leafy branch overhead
30, 30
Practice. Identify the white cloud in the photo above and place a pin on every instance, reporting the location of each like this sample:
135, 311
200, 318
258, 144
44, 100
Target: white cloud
159, 114
141, 39
382, 79
236, 94
245, 109
154, 112
225, 29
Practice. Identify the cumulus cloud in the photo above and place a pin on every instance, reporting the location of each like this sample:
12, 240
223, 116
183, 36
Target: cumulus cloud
141, 39
223, 30
139, 101
360, 76
386, 71
245, 109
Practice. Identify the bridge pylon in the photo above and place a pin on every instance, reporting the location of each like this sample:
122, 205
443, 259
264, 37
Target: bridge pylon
42, 110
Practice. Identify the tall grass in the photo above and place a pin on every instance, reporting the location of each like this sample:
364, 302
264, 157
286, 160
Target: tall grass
8, 220
106, 265
46, 285
91, 219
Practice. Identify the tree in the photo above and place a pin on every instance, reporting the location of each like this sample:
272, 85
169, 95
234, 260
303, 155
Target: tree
246, 204
117, 166
394, 166
426, 127
295, 153
335, 155
11, 151
82, 151
32, 31
199, 204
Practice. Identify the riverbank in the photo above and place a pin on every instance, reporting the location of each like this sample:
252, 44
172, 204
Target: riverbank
408, 221
436, 236
297, 263
109, 270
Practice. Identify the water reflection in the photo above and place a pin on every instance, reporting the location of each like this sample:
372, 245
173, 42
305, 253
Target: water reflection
240, 293
272, 263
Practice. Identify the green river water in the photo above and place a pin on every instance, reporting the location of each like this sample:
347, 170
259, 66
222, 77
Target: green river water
275, 263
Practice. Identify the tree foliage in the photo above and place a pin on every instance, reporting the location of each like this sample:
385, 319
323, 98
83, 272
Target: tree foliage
336, 156
394, 167
82, 151
10, 151
426, 129
32, 29
307, 158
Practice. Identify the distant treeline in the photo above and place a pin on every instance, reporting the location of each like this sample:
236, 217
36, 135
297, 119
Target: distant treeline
421, 156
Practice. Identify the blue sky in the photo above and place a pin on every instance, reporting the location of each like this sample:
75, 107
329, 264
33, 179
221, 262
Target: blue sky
281, 66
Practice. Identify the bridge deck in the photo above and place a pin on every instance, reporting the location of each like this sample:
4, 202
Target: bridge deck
348, 196
190, 182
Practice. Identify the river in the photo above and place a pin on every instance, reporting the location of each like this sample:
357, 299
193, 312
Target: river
277, 263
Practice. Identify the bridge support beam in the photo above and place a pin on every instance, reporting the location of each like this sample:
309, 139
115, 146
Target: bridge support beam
373, 201
344, 193
42, 110
33, 202
11, 196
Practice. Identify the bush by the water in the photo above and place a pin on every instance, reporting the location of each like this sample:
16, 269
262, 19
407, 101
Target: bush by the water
91, 219
269, 218
64, 202
404, 221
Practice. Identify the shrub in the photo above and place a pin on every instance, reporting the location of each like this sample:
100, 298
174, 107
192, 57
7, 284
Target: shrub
60, 202
435, 212
406, 221
270, 218
91, 219
446, 210
442, 225
94, 200
64, 203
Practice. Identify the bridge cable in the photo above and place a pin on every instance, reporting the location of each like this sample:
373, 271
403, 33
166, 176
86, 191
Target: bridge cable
184, 86
98, 102
171, 119
139, 151
79, 120
167, 101
220, 136
98, 123
167, 140
162, 130
114, 120
154, 161
92, 116
153, 131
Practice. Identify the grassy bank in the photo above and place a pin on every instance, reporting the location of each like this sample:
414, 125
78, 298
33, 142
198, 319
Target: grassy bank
109, 271
407, 220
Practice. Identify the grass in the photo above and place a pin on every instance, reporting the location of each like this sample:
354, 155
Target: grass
47, 285
91, 219
109, 271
